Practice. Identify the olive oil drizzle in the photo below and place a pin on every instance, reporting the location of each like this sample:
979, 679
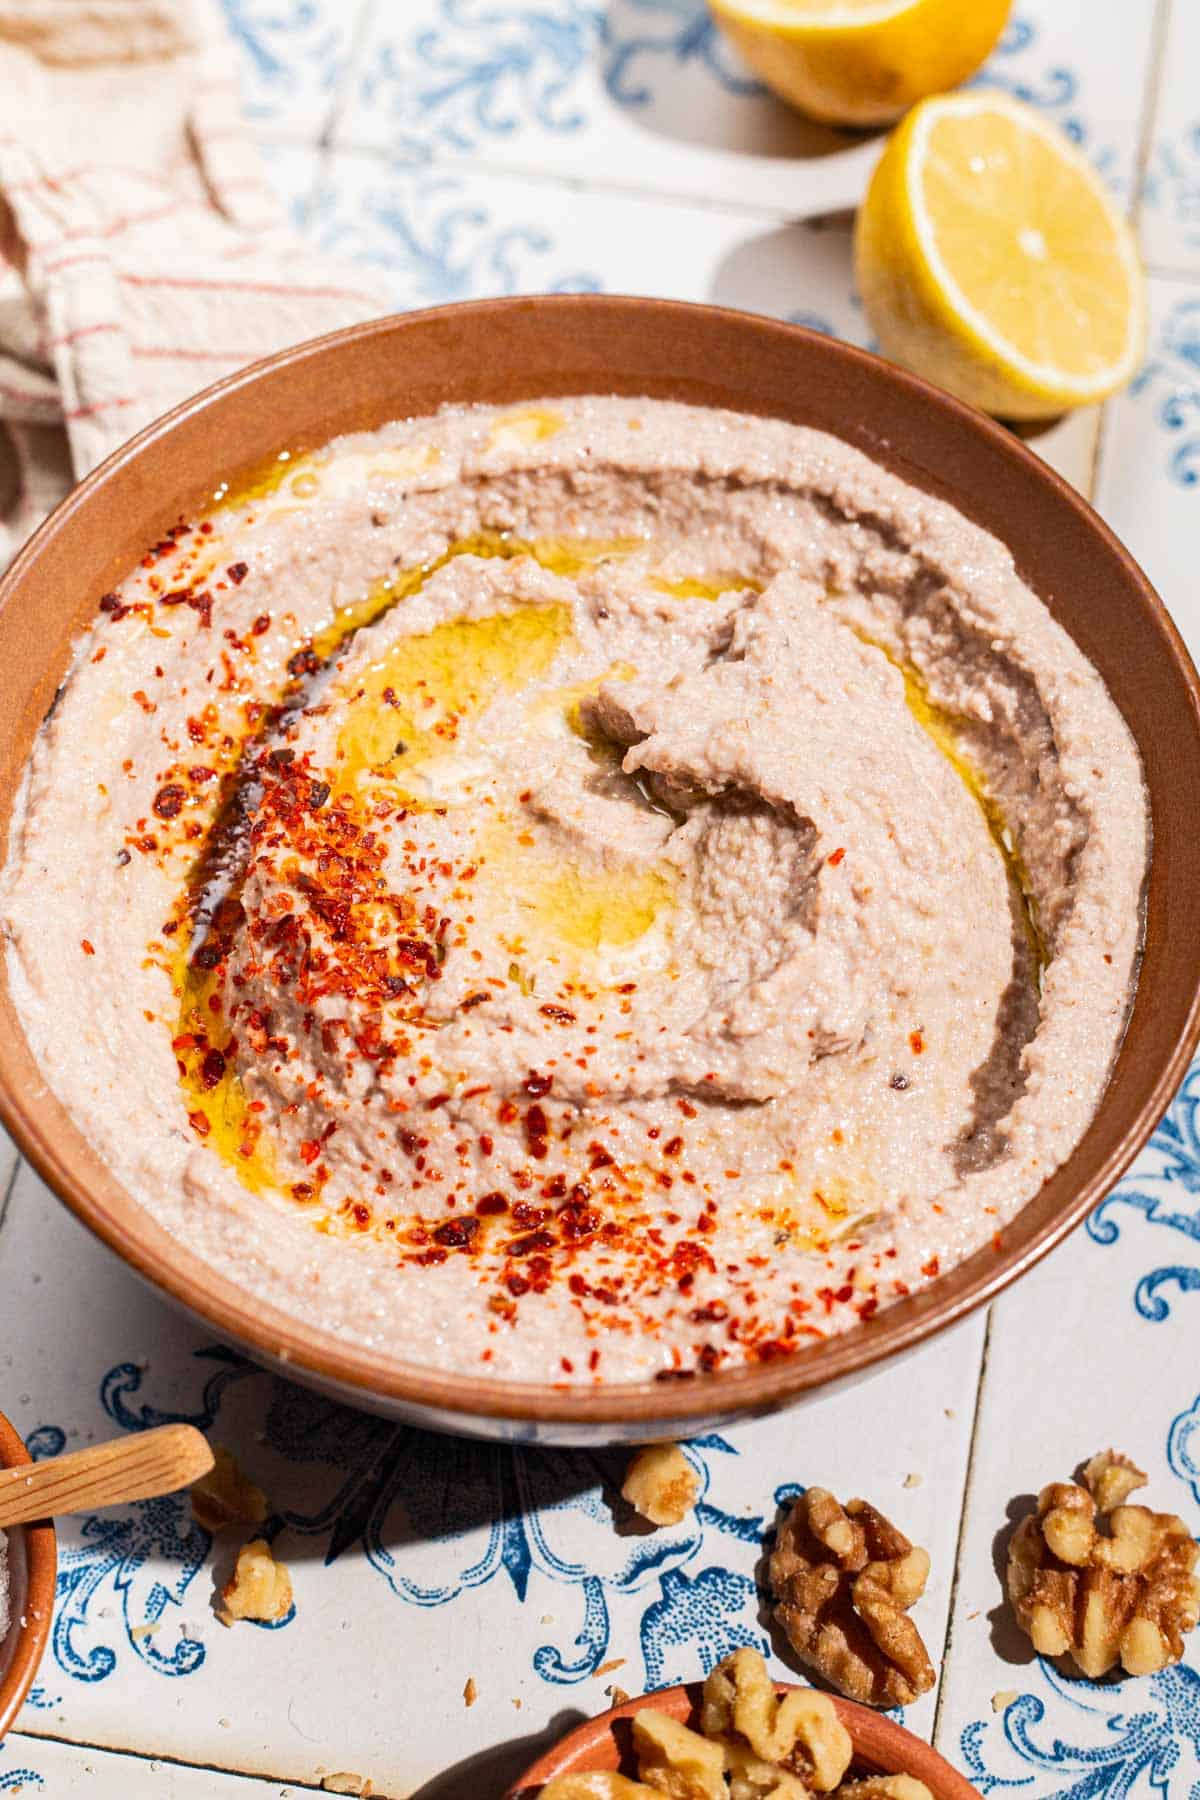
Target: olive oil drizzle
220, 1111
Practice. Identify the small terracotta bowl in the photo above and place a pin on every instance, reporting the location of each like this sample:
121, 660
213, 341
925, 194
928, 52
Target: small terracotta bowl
505, 351
881, 1747
32, 1564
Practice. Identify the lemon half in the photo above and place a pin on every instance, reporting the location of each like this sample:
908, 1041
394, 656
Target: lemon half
861, 62
991, 260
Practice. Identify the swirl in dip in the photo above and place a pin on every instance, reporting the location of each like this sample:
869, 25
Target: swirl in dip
582, 892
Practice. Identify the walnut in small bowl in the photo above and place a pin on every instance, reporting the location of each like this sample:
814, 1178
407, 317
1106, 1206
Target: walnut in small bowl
741, 1736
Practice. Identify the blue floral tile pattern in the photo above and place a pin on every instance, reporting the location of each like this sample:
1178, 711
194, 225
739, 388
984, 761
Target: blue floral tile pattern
475, 72
1075, 1740
15, 1780
291, 56
468, 1515
1170, 381
1170, 221
439, 238
1164, 1190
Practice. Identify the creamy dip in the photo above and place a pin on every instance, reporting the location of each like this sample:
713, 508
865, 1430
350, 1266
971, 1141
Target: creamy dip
589, 891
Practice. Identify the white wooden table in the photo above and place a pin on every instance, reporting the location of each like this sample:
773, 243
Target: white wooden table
467, 147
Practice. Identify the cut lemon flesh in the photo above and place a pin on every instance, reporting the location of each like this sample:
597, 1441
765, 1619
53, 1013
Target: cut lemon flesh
992, 260
861, 62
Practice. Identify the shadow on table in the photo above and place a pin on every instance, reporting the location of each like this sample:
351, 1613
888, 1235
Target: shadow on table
678, 77
487, 1775
1008, 1640
341, 1481
801, 271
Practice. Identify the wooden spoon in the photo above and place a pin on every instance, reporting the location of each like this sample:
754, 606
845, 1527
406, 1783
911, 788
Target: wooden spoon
136, 1467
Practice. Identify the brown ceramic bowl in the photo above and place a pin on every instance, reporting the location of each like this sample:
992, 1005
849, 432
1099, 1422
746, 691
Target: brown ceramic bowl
32, 1565
881, 1747
507, 350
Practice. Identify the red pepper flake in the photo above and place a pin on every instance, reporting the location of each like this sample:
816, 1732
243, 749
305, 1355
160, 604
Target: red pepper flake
199, 1123
309, 1151
673, 1147
932, 1267
168, 802
835, 857
537, 1132
237, 572
144, 701
490, 1205
916, 1042
536, 1084
88, 948
212, 1068
456, 1234
559, 1014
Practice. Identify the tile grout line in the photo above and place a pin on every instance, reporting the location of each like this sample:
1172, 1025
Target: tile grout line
968, 1475
300, 1783
358, 39
10, 1184
1151, 102
623, 190
1166, 272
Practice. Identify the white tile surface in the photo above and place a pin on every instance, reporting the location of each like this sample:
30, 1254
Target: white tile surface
1170, 221
1149, 476
40, 1769
291, 58
645, 93
1097, 1348
418, 1562
442, 235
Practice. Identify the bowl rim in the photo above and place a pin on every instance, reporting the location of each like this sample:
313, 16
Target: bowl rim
883, 1743
381, 1379
41, 1570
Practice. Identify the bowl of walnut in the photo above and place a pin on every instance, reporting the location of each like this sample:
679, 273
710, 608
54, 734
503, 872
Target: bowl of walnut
741, 1736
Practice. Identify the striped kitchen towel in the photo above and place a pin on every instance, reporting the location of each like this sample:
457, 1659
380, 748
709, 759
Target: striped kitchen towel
142, 253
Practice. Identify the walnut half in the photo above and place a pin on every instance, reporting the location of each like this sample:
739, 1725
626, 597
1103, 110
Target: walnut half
844, 1579
1103, 1582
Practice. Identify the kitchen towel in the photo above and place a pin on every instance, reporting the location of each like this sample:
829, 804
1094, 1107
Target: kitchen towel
143, 254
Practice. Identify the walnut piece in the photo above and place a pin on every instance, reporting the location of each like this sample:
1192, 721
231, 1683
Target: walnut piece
661, 1484
885, 1787
676, 1761
801, 1733
844, 1579
225, 1496
599, 1785
260, 1587
1102, 1582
